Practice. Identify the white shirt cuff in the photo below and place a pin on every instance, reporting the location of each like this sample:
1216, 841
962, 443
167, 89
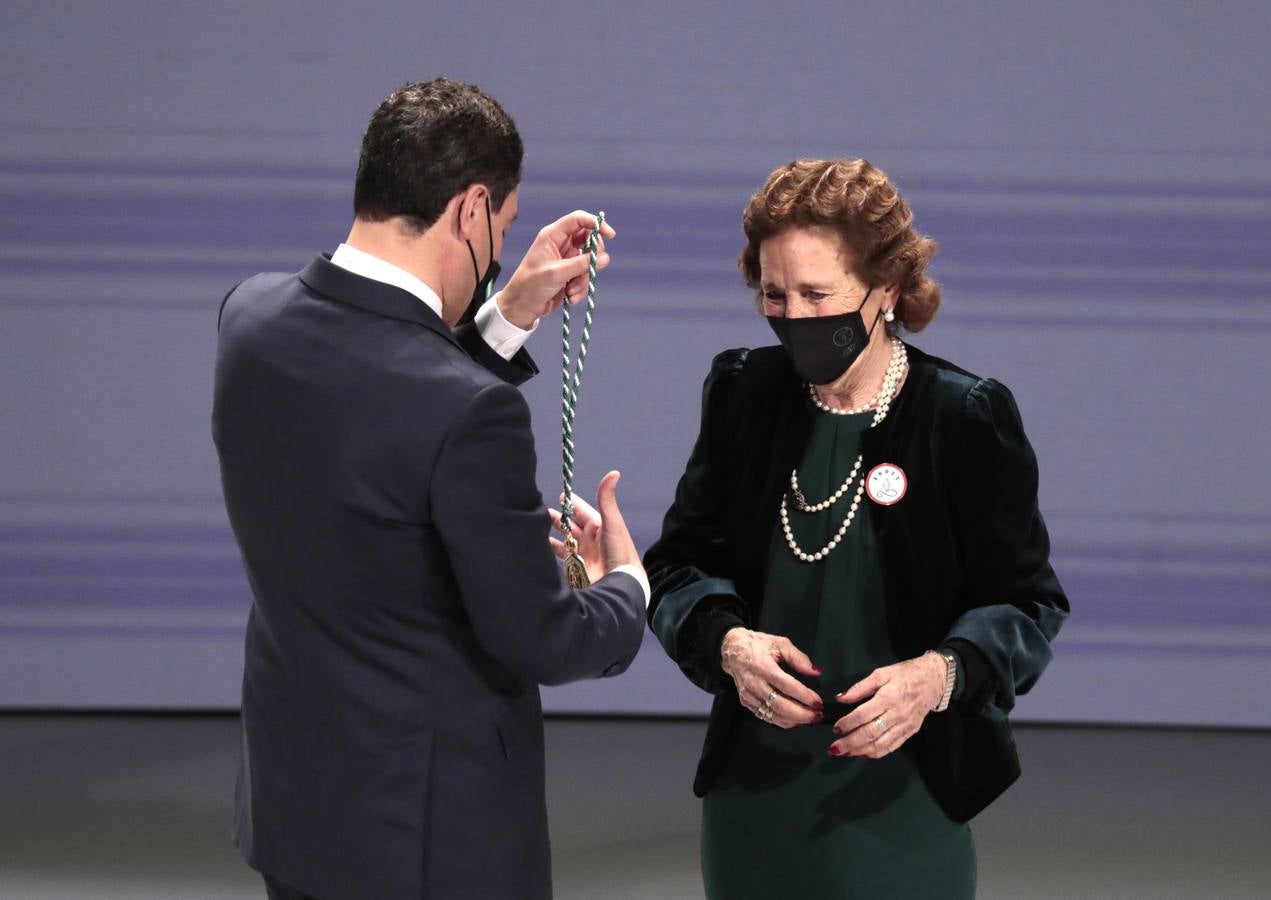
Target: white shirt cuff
637, 572
503, 337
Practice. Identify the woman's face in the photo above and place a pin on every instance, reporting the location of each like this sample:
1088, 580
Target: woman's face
806, 272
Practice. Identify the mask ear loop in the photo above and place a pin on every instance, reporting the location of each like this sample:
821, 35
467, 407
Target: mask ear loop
473, 254
872, 325
489, 230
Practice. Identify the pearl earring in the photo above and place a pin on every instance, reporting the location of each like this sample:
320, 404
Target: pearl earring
889, 316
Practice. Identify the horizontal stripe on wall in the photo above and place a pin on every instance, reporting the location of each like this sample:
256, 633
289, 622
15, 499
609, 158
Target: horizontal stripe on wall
1146, 241
1127, 582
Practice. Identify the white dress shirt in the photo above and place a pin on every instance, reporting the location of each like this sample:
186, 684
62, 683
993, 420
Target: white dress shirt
502, 336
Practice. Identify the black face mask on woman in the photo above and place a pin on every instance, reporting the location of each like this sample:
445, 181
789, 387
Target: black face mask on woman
822, 348
485, 283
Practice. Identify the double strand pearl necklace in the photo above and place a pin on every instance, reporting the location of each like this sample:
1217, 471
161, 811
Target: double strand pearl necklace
882, 403
823, 407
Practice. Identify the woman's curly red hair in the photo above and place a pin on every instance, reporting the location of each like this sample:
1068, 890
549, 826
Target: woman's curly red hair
858, 201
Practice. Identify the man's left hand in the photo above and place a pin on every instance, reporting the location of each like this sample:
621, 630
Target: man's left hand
552, 269
603, 540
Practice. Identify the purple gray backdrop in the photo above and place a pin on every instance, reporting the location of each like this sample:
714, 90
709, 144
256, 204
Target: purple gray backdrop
1098, 175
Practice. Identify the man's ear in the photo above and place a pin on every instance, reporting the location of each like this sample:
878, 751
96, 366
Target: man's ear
470, 215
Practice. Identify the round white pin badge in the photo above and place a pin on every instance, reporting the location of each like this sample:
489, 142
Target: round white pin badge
886, 484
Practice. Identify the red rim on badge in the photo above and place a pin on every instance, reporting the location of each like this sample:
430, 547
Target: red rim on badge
886, 484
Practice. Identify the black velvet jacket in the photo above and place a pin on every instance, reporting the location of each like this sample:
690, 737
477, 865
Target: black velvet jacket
965, 552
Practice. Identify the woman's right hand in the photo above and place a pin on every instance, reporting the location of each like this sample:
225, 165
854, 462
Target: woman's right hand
753, 660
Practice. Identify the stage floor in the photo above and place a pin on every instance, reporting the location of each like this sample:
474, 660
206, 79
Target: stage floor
129, 807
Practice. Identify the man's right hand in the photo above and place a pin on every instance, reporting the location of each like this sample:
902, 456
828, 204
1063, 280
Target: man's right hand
553, 269
603, 540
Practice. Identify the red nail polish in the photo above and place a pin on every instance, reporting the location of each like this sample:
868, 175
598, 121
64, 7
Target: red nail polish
834, 750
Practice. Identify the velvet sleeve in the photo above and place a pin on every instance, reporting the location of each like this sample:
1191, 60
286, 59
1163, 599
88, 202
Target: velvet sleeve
1016, 604
690, 566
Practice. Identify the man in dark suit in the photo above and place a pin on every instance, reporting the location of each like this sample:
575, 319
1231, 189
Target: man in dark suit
378, 469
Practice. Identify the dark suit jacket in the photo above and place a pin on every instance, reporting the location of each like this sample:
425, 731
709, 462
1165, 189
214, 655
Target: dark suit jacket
965, 554
380, 483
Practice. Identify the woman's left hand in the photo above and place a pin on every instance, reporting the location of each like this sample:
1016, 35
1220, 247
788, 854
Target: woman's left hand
893, 700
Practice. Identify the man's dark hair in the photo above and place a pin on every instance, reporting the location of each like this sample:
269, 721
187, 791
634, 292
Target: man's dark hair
427, 142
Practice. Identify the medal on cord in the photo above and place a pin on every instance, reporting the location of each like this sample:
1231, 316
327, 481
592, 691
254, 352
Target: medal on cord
575, 569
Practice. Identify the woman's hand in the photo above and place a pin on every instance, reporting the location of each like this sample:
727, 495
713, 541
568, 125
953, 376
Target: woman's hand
753, 659
894, 702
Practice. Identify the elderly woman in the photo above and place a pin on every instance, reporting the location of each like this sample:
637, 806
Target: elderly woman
854, 565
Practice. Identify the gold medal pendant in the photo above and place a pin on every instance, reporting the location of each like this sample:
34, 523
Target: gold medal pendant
575, 570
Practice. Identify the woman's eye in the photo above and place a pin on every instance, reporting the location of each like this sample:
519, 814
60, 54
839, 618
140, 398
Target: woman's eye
774, 297
814, 296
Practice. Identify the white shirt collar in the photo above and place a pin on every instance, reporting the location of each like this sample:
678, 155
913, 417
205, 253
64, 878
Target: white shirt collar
359, 262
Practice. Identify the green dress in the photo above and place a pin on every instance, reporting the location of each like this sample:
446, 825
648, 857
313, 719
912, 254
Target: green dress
785, 820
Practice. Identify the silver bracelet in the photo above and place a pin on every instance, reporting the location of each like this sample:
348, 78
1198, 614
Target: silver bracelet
950, 679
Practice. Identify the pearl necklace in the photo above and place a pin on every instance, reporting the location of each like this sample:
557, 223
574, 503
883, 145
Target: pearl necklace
823, 407
895, 374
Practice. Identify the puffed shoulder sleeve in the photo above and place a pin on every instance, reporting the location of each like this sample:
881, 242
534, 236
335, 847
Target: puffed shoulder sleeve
1016, 602
690, 566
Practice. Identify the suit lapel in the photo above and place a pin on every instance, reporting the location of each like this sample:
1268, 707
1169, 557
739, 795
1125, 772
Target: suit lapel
892, 440
371, 296
778, 423
885, 443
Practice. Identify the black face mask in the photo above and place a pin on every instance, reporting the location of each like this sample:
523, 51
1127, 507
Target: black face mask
822, 348
485, 283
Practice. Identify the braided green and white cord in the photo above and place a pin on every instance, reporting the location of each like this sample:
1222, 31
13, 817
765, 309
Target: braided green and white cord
570, 382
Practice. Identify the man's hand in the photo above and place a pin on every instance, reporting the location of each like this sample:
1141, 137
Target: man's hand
603, 540
552, 270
